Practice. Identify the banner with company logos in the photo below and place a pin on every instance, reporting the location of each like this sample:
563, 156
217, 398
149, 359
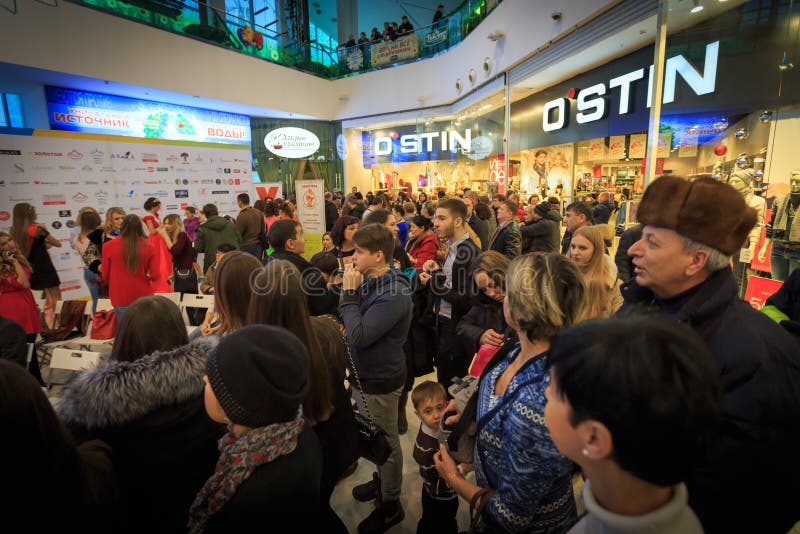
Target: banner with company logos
61, 172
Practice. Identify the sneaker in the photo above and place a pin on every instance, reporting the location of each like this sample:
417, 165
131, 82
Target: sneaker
368, 491
382, 518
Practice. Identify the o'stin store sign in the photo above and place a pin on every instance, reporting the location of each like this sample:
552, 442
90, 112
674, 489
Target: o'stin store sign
291, 142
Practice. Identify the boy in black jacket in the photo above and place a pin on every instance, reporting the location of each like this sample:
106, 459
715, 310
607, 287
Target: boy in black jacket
452, 286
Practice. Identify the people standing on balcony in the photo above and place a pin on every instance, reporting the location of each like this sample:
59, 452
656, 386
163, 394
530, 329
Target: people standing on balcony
388, 32
374, 38
405, 26
438, 15
363, 39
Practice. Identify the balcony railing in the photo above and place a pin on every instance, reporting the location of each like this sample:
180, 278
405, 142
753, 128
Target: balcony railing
199, 20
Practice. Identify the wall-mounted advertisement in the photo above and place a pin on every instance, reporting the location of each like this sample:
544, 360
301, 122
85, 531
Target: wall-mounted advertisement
547, 170
88, 112
401, 49
60, 172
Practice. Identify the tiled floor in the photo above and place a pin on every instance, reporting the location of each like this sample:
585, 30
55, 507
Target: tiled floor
352, 512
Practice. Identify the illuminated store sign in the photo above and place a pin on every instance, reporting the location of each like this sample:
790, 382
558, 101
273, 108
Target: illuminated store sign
85, 111
424, 142
591, 103
291, 142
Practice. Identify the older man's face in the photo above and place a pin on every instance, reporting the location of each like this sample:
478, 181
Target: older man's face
661, 262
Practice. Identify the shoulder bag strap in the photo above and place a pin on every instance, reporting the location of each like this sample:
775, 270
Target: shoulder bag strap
355, 374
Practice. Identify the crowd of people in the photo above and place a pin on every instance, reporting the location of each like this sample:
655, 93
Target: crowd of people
391, 31
644, 374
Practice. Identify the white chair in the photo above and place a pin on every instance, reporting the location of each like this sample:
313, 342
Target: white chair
174, 297
71, 360
104, 304
191, 300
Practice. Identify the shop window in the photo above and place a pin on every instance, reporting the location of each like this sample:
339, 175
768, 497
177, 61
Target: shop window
11, 111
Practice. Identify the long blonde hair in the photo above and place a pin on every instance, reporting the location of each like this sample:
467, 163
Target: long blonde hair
177, 224
7, 267
596, 274
109, 225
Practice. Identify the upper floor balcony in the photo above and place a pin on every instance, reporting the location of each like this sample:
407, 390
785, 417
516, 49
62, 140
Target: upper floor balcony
280, 31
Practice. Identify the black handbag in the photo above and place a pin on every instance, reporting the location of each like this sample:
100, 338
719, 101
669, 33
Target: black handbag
373, 441
184, 281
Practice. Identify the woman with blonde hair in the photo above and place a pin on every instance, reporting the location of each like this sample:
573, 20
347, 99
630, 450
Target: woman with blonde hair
232, 293
184, 276
522, 482
603, 296
113, 224
32, 239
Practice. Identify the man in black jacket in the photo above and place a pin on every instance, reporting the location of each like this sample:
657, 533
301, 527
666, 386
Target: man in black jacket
478, 225
452, 286
578, 214
331, 213
544, 232
507, 239
286, 237
748, 480
601, 212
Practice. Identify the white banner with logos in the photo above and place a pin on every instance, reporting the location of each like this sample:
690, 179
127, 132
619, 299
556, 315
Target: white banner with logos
311, 212
61, 172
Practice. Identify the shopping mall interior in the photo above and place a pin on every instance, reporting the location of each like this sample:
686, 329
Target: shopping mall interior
111, 104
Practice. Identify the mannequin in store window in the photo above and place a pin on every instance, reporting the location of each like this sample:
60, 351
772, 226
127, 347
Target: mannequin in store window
742, 180
783, 231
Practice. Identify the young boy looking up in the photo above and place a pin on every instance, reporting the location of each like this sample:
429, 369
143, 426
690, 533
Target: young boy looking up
634, 402
439, 501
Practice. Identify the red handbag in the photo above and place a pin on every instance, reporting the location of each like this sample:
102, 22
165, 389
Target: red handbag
104, 325
482, 357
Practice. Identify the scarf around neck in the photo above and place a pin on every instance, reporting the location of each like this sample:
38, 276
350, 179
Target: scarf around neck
238, 458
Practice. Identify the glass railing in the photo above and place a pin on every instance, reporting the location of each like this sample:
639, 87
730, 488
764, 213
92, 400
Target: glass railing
204, 22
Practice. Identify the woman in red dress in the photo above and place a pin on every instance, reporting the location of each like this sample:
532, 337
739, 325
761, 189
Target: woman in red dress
16, 297
162, 258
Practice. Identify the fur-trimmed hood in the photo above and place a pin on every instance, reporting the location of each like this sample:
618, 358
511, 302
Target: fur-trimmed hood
117, 393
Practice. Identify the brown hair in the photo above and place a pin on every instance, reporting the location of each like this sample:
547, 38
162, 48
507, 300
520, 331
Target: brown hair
150, 324
494, 265
596, 273
24, 216
232, 283
545, 294
425, 391
131, 233
376, 237
278, 299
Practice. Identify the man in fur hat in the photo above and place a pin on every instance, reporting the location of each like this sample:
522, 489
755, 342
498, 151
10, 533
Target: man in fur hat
748, 480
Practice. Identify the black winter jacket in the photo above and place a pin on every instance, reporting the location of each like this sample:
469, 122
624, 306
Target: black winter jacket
508, 241
748, 480
376, 317
321, 300
151, 411
621, 259
486, 313
542, 236
280, 496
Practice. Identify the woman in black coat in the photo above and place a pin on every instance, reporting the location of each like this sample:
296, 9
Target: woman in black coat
484, 323
147, 403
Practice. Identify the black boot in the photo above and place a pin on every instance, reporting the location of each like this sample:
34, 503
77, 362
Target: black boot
402, 421
383, 517
368, 491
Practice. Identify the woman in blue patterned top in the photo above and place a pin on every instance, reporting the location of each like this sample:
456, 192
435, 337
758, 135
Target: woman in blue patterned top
529, 482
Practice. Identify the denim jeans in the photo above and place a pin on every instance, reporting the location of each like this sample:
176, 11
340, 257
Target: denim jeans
783, 261
94, 288
383, 409
119, 311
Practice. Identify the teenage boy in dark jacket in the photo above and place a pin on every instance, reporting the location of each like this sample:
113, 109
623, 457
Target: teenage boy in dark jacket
376, 310
452, 286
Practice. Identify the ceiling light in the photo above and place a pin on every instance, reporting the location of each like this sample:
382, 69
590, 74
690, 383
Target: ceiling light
697, 7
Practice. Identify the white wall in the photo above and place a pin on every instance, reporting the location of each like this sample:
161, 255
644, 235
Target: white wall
81, 41
784, 157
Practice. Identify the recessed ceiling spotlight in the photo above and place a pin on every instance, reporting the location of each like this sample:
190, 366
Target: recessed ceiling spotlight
697, 7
